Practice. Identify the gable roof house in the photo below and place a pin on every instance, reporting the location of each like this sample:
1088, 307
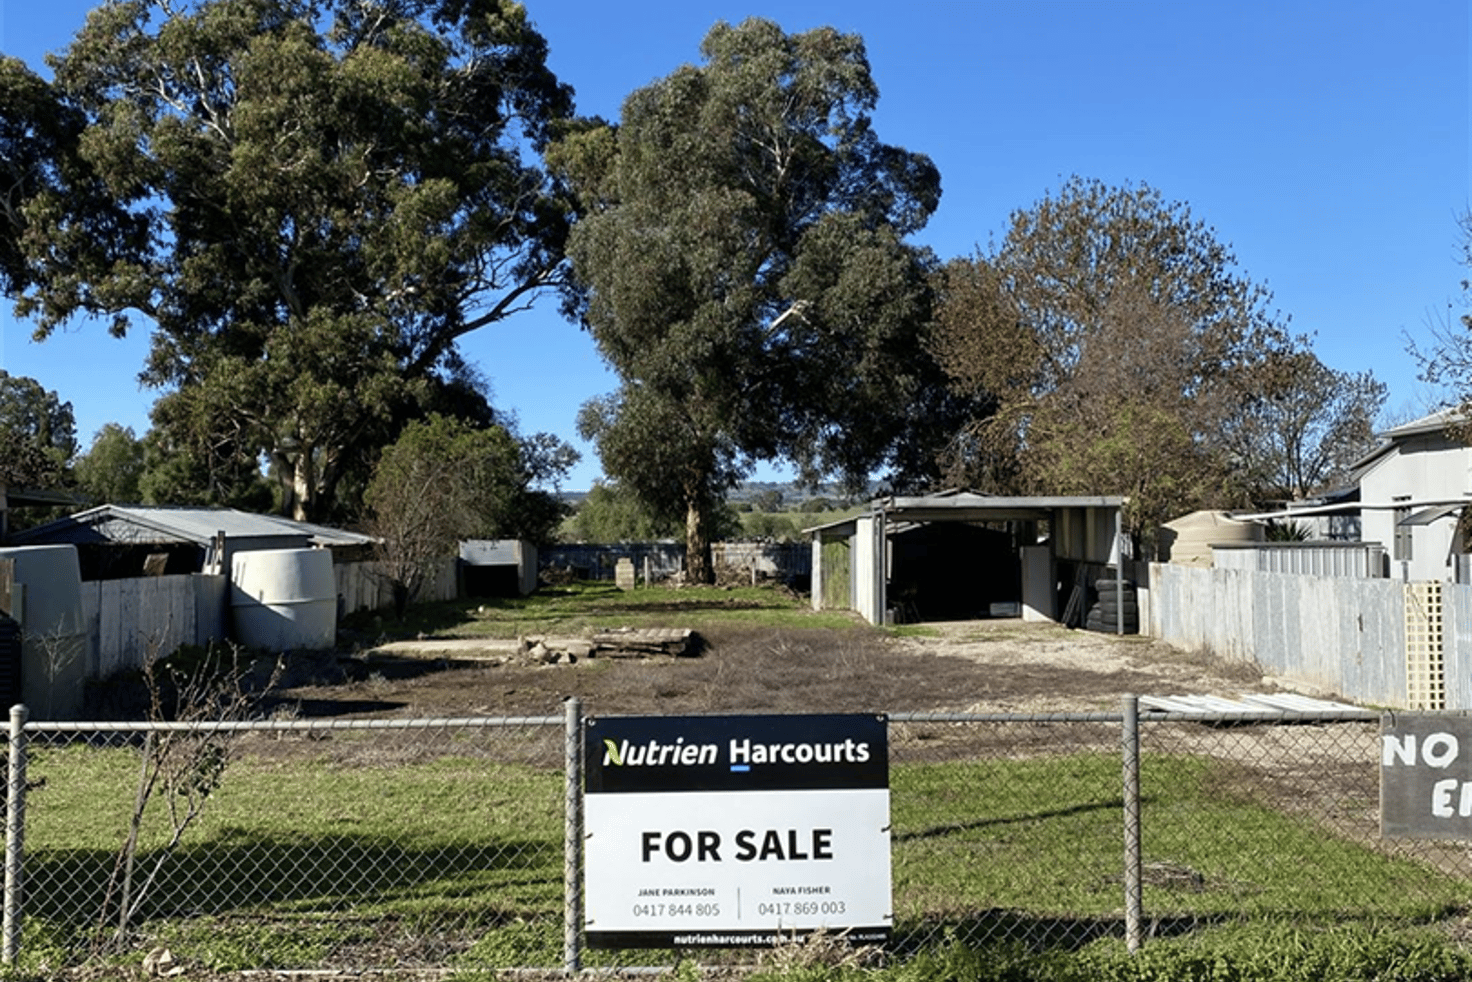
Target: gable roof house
1413, 488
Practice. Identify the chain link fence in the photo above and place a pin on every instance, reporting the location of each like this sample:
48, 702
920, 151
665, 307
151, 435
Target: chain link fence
1054, 831
294, 844
356, 845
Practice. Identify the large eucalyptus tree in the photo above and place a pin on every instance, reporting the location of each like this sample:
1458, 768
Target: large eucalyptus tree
742, 263
335, 192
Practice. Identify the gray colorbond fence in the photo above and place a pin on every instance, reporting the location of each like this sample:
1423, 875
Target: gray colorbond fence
1457, 628
352, 845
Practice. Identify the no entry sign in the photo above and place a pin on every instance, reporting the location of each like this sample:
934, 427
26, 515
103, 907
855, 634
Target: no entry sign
727, 831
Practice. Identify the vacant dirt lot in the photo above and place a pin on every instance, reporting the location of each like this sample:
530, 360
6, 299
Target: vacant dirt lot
998, 666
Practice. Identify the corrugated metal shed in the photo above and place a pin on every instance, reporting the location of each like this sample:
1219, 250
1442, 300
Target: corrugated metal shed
498, 567
1082, 530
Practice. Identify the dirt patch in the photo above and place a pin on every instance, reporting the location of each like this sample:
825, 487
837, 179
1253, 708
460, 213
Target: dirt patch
984, 666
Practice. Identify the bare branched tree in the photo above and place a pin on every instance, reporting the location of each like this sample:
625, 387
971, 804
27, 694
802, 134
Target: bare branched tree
1447, 362
181, 768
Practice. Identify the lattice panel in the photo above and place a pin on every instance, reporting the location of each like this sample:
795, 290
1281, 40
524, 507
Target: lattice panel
1425, 664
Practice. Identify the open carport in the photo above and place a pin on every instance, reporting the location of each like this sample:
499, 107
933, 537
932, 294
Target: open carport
961, 555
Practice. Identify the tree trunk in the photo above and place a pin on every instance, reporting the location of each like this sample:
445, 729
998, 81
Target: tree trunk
297, 479
698, 565
302, 497
283, 468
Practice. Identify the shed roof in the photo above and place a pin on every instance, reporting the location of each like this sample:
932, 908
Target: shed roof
969, 506
158, 523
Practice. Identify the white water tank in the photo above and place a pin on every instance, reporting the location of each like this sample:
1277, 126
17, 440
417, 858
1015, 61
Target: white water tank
283, 599
53, 636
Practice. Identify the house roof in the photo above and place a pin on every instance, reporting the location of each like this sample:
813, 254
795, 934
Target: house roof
1433, 423
149, 523
1436, 422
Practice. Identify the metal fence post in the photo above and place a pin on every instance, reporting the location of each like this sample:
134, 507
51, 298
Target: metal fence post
1132, 865
572, 853
15, 830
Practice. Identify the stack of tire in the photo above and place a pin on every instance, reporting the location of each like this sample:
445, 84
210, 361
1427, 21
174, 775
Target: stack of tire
1114, 601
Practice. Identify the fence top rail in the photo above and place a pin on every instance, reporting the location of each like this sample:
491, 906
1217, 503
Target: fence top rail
487, 722
1007, 717
1147, 715
291, 725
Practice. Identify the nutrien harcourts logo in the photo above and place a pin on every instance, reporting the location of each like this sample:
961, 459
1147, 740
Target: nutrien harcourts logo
644, 753
741, 753
653, 753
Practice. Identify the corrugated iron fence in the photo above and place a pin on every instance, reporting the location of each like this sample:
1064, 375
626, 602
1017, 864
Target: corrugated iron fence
355, 845
1365, 639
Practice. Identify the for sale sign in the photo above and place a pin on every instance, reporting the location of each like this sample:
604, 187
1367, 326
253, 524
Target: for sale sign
727, 831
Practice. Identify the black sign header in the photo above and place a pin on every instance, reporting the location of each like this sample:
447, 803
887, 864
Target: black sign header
735, 753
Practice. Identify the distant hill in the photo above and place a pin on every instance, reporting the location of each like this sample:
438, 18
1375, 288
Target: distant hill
793, 494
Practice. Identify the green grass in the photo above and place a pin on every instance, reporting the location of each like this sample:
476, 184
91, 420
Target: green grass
586, 606
293, 860
1041, 840
457, 859
1259, 952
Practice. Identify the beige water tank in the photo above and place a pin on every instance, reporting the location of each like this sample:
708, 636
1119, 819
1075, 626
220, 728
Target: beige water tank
1188, 539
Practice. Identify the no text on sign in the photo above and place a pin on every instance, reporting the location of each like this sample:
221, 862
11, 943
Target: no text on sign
722, 831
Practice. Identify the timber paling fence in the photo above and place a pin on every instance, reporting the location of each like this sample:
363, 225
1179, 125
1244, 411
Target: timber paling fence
456, 843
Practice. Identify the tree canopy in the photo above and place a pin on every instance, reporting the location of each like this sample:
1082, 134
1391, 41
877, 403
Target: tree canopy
59, 222
1306, 427
611, 513
111, 471
742, 263
38, 434
334, 192
1120, 346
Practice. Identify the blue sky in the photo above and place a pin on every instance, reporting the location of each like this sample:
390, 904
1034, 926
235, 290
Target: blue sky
1327, 143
